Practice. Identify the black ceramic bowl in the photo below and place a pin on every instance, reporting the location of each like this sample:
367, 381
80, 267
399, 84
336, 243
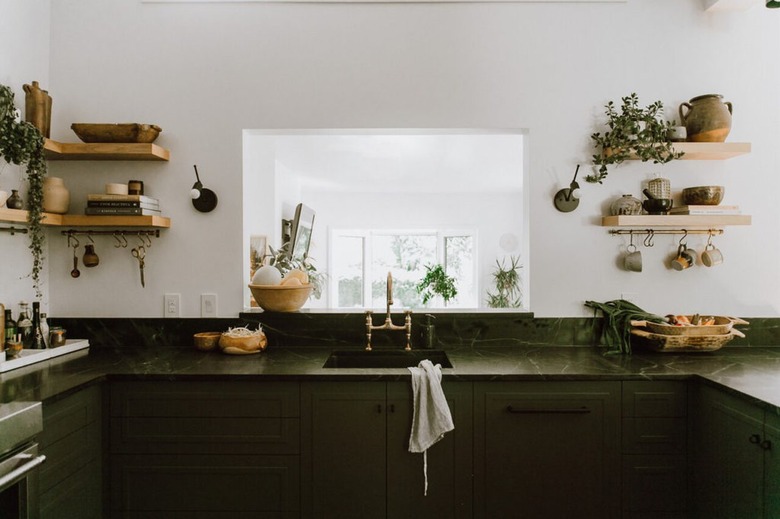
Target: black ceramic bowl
657, 205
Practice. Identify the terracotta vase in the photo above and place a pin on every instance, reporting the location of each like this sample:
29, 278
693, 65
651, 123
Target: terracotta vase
56, 197
707, 118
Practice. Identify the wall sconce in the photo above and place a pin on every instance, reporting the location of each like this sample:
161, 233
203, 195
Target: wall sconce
567, 199
203, 199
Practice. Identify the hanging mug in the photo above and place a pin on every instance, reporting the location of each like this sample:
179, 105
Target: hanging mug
711, 255
683, 260
633, 260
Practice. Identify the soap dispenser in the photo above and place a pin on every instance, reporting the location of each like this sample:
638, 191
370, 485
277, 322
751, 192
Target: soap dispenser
428, 333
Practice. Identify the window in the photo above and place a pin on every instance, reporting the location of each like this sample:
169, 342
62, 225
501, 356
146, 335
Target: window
361, 260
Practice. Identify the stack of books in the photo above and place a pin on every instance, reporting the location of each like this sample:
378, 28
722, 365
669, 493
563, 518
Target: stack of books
122, 205
706, 209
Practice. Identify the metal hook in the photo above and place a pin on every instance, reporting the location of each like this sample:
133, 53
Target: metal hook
89, 235
147, 240
124, 241
118, 241
75, 243
709, 239
685, 235
649, 238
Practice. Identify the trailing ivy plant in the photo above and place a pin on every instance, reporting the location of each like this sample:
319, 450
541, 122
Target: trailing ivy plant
436, 282
507, 281
22, 143
633, 132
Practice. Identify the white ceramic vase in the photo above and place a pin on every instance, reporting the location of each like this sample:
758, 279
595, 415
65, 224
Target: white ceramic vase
56, 197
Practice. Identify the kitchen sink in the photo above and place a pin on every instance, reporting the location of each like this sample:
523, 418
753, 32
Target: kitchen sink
385, 358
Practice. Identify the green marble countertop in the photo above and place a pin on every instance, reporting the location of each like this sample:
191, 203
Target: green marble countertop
752, 372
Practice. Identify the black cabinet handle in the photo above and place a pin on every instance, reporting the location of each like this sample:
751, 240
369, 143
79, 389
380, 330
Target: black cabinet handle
379, 408
755, 439
522, 410
391, 408
766, 445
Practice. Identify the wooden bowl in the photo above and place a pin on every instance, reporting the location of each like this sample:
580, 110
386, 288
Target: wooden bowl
206, 341
243, 345
281, 298
702, 195
123, 132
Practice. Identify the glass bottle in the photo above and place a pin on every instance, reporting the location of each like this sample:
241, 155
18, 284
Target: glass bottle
45, 330
24, 325
10, 328
37, 335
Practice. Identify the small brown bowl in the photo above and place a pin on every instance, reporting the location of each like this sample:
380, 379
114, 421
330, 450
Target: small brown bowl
206, 341
281, 298
116, 132
703, 195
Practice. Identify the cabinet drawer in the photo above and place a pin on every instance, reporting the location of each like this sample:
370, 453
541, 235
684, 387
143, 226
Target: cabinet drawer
230, 435
183, 399
65, 416
660, 398
654, 435
79, 495
204, 486
656, 484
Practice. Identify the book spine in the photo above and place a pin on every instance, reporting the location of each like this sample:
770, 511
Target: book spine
118, 211
122, 198
706, 212
143, 205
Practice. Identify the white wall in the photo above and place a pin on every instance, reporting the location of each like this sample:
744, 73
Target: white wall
204, 72
24, 58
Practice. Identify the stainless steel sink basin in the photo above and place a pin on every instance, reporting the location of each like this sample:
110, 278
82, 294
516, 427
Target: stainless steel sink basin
385, 358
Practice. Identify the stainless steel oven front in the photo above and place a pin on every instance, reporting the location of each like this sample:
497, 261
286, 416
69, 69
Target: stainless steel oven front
20, 423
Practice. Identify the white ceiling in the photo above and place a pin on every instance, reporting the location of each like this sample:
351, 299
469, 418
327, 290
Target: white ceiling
404, 161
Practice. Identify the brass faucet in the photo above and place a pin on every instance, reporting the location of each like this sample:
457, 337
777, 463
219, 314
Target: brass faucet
388, 324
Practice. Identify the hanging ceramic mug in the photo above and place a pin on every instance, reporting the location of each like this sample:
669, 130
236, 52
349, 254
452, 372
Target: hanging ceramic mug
633, 260
711, 255
683, 260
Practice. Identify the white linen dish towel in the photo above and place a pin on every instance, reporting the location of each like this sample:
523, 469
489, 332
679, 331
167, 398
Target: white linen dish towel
432, 417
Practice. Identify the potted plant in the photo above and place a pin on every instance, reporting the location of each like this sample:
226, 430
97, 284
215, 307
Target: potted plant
507, 281
22, 143
436, 282
281, 259
633, 132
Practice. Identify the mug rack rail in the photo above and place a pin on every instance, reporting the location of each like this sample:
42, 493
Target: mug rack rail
13, 230
115, 232
711, 232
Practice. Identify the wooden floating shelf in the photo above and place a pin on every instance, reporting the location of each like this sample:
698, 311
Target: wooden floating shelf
710, 150
80, 220
104, 151
680, 220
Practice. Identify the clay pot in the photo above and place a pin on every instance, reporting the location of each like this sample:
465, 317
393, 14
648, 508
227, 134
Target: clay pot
707, 118
56, 197
626, 205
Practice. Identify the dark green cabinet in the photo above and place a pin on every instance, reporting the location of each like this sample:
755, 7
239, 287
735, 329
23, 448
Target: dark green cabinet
734, 470
355, 459
71, 477
547, 449
204, 449
655, 448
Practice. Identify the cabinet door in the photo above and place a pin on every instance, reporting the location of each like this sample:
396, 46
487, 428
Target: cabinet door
547, 449
71, 478
772, 466
343, 453
728, 461
449, 460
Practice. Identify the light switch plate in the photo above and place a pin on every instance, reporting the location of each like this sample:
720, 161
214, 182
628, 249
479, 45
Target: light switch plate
172, 305
208, 305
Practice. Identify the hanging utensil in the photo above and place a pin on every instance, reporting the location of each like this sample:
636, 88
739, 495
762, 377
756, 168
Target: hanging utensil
75, 272
139, 253
90, 258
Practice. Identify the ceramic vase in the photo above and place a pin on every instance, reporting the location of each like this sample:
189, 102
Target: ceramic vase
707, 118
56, 197
626, 205
14, 201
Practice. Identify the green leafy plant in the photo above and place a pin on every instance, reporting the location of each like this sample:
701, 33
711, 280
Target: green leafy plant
281, 259
618, 314
436, 282
633, 132
507, 281
22, 143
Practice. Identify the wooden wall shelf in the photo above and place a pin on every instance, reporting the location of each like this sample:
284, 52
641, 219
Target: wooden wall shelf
710, 150
680, 221
80, 220
104, 151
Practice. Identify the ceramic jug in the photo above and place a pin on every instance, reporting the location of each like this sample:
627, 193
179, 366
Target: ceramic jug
56, 197
626, 205
707, 118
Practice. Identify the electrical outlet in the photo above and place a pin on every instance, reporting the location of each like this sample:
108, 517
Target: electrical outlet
172, 305
208, 305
